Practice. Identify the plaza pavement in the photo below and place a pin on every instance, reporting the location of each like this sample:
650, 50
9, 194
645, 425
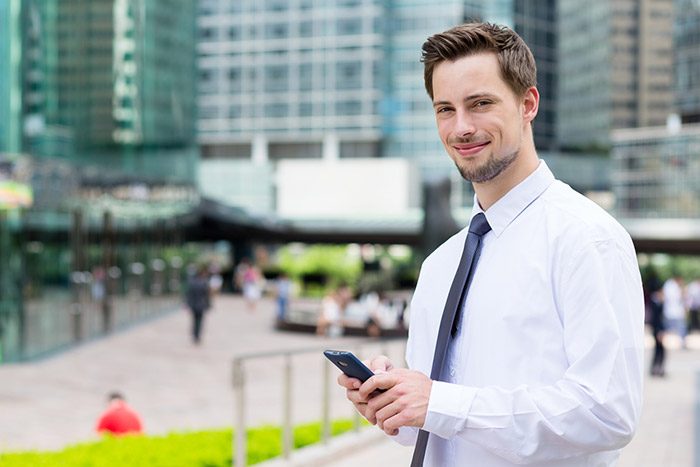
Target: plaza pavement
177, 386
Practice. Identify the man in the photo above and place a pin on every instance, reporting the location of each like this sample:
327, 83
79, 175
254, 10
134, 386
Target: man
119, 418
545, 367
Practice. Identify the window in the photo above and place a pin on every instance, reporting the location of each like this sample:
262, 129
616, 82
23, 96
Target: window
305, 77
276, 31
276, 110
206, 33
306, 28
348, 75
276, 77
347, 26
305, 109
234, 33
348, 108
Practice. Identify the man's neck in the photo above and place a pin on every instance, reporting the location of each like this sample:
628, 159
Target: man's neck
488, 193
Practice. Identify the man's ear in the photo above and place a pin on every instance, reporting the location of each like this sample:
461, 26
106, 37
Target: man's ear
531, 104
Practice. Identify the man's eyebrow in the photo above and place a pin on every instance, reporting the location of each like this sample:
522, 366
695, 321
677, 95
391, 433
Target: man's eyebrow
480, 95
435, 104
471, 97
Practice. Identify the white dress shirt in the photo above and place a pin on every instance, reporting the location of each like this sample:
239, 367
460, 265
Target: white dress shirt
546, 368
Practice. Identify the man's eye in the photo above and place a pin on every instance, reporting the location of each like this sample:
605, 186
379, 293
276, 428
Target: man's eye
481, 103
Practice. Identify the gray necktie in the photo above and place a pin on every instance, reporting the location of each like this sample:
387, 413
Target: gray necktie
478, 227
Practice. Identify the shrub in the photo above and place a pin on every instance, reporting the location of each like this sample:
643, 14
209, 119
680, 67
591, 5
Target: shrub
210, 448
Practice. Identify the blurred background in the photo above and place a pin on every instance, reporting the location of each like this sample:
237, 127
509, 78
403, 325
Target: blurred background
138, 138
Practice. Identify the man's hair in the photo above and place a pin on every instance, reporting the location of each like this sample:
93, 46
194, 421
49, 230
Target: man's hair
515, 60
115, 395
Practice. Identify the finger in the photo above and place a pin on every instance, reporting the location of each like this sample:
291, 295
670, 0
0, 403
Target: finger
391, 425
386, 413
348, 382
376, 403
380, 364
354, 396
379, 382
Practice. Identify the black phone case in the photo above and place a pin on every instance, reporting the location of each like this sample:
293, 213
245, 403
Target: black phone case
349, 364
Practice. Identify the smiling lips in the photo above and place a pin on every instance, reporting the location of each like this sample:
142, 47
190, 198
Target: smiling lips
470, 148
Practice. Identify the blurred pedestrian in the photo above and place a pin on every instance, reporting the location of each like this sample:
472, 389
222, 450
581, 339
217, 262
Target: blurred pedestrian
216, 280
330, 318
283, 288
654, 303
674, 307
252, 283
119, 418
692, 298
198, 301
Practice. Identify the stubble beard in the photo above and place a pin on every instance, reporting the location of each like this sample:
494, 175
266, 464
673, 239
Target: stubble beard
491, 169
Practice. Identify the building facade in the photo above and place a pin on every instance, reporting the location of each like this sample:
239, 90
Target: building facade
98, 102
111, 83
10, 85
615, 63
686, 33
656, 172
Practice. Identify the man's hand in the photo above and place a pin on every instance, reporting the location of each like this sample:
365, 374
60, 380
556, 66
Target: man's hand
405, 402
378, 365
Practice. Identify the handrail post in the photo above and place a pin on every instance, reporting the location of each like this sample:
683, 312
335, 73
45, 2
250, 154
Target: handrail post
287, 415
325, 428
240, 454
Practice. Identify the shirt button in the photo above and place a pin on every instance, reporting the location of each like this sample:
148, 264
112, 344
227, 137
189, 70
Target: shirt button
452, 372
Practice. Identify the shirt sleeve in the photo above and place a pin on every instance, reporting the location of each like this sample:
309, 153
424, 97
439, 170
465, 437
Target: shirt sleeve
595, 406
407, 436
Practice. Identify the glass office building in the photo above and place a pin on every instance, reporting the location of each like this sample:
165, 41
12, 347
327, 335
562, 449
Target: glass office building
687, 59
615, 62
657, 172
111, 83
102, 126
10, 88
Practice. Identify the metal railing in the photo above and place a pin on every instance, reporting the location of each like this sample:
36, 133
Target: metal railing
240, 438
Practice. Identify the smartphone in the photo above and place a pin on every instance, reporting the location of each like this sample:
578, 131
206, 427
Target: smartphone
349, 364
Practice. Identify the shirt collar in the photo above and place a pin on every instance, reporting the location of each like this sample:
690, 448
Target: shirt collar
506, 209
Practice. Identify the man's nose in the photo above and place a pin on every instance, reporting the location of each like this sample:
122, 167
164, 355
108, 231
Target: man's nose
465, 124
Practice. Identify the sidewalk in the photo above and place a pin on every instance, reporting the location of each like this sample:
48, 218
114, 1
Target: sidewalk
175, 385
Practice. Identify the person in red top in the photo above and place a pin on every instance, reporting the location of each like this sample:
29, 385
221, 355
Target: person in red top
119, 418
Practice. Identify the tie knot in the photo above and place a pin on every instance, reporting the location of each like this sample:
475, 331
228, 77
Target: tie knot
479, 225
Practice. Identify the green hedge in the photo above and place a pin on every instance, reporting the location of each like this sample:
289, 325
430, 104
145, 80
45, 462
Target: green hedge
210, 448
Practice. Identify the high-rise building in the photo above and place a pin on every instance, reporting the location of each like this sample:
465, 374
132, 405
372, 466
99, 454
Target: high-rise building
317, 78
111, 83
98, 108
10, 86
686, 33
615, 63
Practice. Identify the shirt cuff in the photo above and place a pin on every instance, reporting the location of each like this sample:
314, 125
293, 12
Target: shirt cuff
448, 408
406, 437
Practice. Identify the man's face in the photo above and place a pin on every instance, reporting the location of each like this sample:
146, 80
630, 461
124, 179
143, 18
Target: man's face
479, 118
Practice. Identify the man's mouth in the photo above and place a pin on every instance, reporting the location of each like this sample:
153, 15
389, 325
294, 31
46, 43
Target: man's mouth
468, 149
